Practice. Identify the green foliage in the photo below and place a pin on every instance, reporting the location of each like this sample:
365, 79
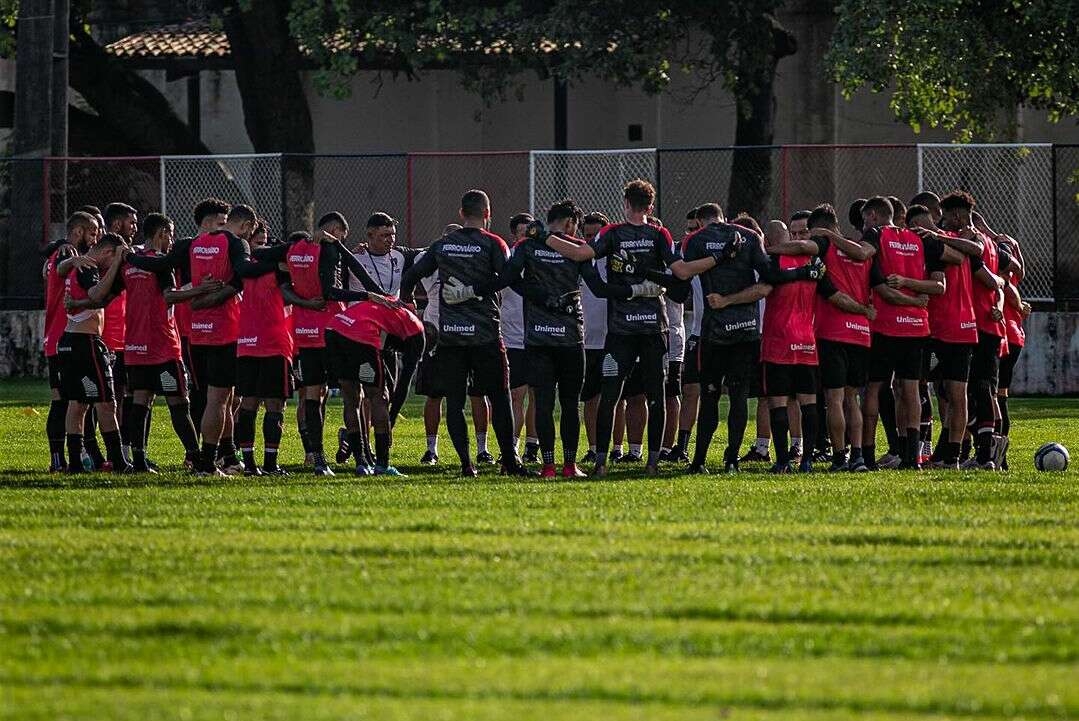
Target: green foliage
964, 65
830, 597
492, 45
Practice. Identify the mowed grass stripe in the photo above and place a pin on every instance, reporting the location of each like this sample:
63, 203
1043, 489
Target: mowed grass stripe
825, 597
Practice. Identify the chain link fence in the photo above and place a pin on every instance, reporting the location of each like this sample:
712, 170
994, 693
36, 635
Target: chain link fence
435, 183
593, 178
1065, 225
1013, 186
1028, 191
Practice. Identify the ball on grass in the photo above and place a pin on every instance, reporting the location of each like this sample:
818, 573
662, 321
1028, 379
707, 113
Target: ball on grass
1051, 457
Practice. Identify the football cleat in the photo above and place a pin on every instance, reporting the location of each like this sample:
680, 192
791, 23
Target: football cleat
388, 471
485, 458
589, 457
343, 448
430, 458
570, 470
889, 461
548, 471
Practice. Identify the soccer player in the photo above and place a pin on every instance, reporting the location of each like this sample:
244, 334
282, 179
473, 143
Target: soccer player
63, 256
987, 292
1016, 310
637, 326
152, 344
210, 215
905, 271
469, 335
429, 380
554, 327
85, 374
264, 354
354, 339
221, 255
734, 274
595, 334
120, 219
513, 334
844, 312
319, 271
691, 386
953, 330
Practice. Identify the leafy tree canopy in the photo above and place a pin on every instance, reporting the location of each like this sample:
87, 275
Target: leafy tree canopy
963, 65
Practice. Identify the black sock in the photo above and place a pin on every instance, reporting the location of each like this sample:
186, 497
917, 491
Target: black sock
683, 440
382, 449
146, 426
126, 428
302, 427
780, 428
245, 431
312, 415
938, 452
209, 455
855, 453
249, 458
809, 428
869, 455
355, 441
273, 425
984, 440
136, 433
180, 414
888, 421
226, 451
910, 452
54, 429
114, 449
949, 452
74, 452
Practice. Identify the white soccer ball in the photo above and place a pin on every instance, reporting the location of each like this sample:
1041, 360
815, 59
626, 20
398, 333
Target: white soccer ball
1051, 457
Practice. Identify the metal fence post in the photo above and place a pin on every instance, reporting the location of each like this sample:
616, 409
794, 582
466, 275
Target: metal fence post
1056, 251
532, 182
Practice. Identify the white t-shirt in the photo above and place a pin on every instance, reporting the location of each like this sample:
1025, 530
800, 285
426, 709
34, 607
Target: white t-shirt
697, 314
676, 330
595, 313
386, 270
512, 314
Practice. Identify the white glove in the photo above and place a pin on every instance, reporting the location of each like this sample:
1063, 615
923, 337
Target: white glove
454, 291
647, 289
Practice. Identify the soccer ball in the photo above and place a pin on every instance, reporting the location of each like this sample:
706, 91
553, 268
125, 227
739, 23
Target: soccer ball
1051, 457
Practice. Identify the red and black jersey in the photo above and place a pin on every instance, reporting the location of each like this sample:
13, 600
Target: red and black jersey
901, 252
647, 248
1013, 319
55, 315
788, 337
304, 261
152, 337
851, 277
115, 323
265, 328
369, 323
951, 315
985, 299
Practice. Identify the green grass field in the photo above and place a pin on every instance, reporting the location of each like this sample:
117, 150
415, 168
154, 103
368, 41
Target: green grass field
884, 596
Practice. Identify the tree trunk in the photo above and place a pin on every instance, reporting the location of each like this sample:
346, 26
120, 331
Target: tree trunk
276, 113
751, 169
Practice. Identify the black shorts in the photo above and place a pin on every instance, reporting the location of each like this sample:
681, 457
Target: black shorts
310, 367
119, 371
189, 365
634, 383
213, 365
673, 389
730, 366
691, 365
519, 361
85, 368
54, 371
485, 365
756, 378
627, 356
842, 365
785, 380
593, 357
1007, 367
167, 379
985, 363
551, 365
352, 361
893, 355
953, 361
264, 376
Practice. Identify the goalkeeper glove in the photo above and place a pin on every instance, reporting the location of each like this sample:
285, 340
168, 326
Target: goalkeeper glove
647, 289
454, 291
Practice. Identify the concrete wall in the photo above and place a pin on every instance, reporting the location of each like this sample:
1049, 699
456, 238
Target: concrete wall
1049, 364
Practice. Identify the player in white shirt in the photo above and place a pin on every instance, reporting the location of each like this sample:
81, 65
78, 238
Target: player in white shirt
513, 335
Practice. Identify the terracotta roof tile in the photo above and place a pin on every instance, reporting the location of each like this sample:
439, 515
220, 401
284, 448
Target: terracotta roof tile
191, 39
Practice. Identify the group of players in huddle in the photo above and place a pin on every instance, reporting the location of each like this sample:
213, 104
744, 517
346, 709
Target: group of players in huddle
831, 334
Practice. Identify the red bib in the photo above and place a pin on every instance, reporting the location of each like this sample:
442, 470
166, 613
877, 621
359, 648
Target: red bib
851, 277
788, 336
209, 254
951, 315
308, 326
115, 323
55, 315
901, 253
265, 329
151, 331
